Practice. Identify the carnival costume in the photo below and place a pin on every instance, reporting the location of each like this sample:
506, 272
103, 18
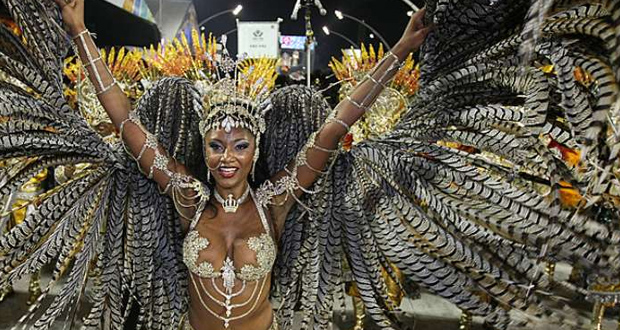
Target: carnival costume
507, 159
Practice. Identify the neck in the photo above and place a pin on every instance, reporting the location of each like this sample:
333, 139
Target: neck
237, 191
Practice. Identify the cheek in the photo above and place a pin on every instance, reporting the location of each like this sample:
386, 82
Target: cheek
211, 158
246, 157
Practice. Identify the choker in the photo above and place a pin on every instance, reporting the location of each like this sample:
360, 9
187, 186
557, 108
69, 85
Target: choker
231, 204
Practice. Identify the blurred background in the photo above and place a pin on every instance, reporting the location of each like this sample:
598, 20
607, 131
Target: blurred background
345, 24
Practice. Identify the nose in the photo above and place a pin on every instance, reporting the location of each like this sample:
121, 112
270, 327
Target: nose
226, 156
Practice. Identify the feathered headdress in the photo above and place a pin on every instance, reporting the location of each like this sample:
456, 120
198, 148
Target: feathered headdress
233, 90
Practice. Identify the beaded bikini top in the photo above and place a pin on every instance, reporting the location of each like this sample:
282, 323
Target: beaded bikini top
263, 245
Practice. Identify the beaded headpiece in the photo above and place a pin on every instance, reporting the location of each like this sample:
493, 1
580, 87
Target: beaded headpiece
236, 99
233, 90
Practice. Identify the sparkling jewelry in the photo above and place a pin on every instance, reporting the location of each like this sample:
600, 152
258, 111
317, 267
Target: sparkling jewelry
340, 122
229, 316
100, 86
228, 276
231, 204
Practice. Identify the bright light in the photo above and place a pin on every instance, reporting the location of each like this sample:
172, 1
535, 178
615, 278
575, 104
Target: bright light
237, 10
339, 14
372, 36
202, 28
326, 30
410, 13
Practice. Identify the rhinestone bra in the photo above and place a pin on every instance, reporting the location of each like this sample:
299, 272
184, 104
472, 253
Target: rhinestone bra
263, 245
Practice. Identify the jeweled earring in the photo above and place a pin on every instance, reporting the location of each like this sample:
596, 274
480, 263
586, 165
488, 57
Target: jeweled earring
209, 169
206, 157
254, 160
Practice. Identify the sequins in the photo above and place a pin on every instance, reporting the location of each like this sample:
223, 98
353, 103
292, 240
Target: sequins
262, 245
265, 256
268, 190
192, 246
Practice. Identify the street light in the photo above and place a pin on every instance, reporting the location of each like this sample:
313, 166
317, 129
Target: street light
328, 32
235, 11
340, 15
410, 4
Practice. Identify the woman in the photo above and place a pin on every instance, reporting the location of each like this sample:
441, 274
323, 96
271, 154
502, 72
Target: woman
230, 248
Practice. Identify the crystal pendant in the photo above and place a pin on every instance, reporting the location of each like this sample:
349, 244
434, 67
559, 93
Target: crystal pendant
231, 205
228, 275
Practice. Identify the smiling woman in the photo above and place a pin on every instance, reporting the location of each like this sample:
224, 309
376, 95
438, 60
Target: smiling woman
463, 196
232, 125
230, 158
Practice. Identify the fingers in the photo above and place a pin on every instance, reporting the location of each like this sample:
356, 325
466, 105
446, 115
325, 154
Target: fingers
420, 36
418, 15
419, 22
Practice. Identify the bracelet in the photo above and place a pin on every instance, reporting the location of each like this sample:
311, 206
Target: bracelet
80, 35
375, 81
393, 68
319, 148
396, 65
93, 62
133, 118
312, 144
160, 162
100, 87
341, 122
107, 88
314, 169
390, 54
151, 142
357, 104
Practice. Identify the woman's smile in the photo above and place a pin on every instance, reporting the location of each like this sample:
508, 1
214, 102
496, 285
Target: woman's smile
227, 172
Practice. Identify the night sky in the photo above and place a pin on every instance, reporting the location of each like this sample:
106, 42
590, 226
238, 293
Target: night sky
389, 17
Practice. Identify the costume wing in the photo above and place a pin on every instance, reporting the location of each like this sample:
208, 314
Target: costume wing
506, 160
108, 224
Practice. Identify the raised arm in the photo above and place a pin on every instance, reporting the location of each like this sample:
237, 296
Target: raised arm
171, 176
313, 159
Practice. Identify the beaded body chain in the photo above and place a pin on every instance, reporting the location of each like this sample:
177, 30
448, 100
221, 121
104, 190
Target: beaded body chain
265, 254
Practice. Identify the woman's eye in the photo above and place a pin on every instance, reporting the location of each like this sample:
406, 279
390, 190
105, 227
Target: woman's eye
242, 146
215, 146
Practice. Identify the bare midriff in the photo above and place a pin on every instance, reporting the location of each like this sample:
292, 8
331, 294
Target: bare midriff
261, 316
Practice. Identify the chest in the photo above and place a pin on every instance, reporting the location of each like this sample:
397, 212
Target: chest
216, 247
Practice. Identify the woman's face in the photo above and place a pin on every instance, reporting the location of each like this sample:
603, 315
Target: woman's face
230, 156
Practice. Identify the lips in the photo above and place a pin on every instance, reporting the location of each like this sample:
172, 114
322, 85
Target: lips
227, 172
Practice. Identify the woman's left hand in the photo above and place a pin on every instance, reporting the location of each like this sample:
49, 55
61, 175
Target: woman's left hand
414, 35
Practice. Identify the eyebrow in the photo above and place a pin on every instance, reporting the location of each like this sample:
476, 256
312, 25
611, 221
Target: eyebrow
241, 139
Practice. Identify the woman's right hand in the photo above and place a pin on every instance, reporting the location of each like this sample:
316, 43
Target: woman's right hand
72, 15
